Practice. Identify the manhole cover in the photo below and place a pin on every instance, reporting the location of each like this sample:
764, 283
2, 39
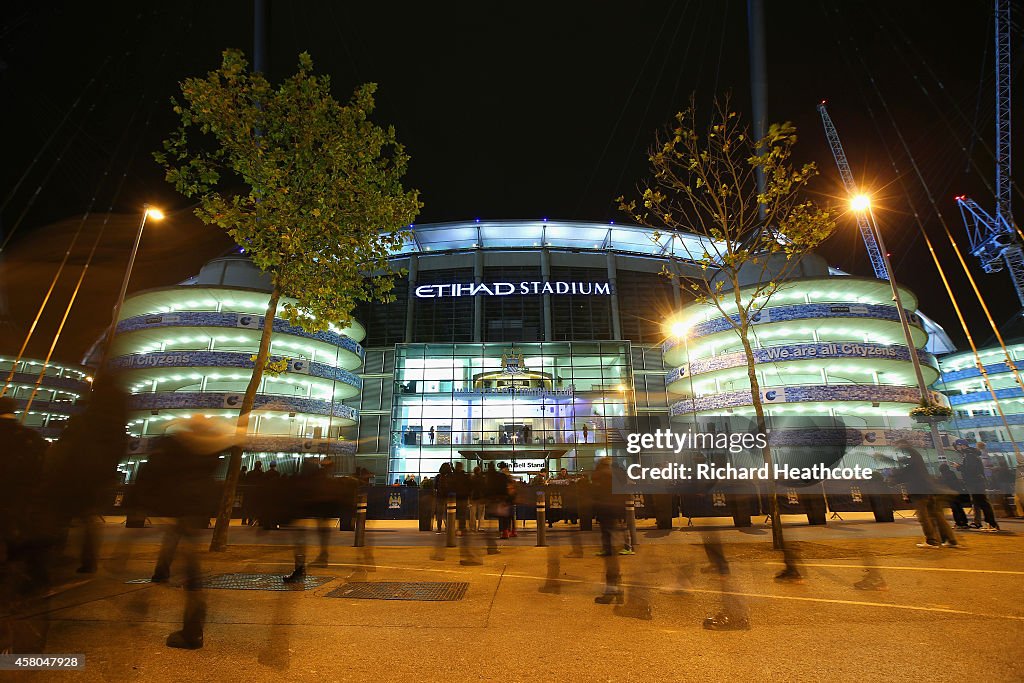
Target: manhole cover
401, 590
263, 582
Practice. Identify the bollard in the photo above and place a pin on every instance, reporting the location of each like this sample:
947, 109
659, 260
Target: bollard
360, 539
542, 530
450, 520
631, 520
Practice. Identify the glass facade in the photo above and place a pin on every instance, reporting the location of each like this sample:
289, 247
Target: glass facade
536, 405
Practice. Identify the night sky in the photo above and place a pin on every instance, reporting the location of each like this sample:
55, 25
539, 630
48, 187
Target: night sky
514, 110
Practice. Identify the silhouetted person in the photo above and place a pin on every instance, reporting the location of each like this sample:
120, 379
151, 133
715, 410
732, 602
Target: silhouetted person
180, 484
972, 471
82, 466
443, 485
23, 545
948, 478
925, 494
607, 508
461, 486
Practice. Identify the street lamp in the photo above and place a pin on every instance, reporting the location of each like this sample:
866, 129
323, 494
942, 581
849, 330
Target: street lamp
681, 330
148, 212
861, 203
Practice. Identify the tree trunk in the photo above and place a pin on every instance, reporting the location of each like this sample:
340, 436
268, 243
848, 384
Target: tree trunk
219, 541
755, 396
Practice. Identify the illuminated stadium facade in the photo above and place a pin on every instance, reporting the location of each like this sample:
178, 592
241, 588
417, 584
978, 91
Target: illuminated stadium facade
186, 350
826, 344
60, 388
540, 343
975, 416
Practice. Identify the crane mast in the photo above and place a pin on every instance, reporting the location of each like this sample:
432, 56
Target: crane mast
994, 238
874, 253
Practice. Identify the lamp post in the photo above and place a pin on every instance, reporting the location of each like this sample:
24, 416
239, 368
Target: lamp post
862, 204
148, 212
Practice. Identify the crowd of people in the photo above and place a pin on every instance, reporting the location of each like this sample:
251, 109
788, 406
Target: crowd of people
44, 489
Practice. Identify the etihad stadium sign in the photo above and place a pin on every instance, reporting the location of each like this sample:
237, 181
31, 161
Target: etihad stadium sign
509, 288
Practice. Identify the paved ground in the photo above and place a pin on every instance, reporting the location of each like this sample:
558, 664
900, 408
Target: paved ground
529, 615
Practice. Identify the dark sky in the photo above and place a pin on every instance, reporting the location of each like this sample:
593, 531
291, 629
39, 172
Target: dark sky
511, 110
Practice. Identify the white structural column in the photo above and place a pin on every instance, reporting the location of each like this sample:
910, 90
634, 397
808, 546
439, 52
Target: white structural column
410, 304
613, 280
545, 275
478, 301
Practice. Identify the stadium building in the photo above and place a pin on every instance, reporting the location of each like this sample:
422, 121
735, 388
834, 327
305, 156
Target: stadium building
539, 343
60, 388
974, 409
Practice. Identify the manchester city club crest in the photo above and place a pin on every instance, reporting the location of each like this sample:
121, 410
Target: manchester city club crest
512, 363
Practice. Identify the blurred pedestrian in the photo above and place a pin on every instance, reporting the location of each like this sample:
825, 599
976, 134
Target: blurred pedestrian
477, 499
23, 546
443, 485
82, 466
948, 478
607, 508
972, 471
925, 492
461, 486
181, 484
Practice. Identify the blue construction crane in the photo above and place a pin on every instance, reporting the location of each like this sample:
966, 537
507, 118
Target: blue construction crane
995, 240
874, 253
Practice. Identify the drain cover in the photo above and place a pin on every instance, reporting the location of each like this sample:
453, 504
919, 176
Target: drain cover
401, 590
139, 581
263, 582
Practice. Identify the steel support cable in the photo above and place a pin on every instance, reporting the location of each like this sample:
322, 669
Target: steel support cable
686, 54
938, 213
931, 250
976, 136
128, 31
99, 236
39, 188
56, 277
654, 90
52, 136
60, 269
49, 291
949, 292
622, 112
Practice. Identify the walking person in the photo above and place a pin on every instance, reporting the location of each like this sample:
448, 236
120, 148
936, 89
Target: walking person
477, 499
82, 466
972, 471
181, 485
608, 507
461, 487
949, 479
924, 493
443, 484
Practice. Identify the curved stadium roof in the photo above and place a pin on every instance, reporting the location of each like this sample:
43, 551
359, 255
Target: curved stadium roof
569, 235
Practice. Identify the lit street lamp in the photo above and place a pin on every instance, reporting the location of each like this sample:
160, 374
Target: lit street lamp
861, 203
148, 212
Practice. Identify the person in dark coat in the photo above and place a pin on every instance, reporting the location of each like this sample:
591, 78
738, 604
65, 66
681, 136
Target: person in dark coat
972, 471
82, 466
607, 508
23, 544
180, 484
461, 486
949, 479
443, 485
925, 493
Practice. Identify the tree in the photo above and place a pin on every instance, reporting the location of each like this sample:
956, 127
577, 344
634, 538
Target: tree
705, 183
309, 188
